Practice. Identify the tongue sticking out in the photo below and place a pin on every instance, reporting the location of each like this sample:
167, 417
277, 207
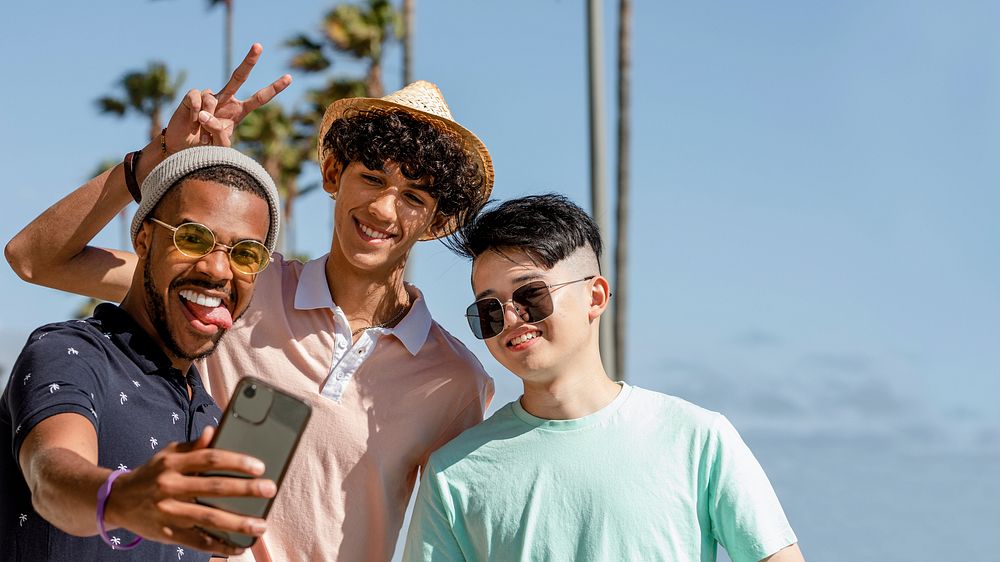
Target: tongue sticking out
217, 316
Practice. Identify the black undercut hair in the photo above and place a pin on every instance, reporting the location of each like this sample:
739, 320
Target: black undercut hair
374, 137
547, 227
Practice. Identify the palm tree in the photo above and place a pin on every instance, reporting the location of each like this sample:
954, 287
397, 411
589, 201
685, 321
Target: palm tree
358, 31
408, 24
146, 92
270, 136
621, 222
227, 53
595, 99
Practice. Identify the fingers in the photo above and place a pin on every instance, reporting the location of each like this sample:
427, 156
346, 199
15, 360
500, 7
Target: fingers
225, 487
203, 460
197, 539
266, 94
192, 101
208, 104
183, 516
214, 130
241, 73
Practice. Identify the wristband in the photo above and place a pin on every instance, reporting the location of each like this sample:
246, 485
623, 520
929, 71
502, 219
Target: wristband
102, 498
131, 161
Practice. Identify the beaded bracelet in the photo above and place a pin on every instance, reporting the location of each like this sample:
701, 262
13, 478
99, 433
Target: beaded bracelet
102, 498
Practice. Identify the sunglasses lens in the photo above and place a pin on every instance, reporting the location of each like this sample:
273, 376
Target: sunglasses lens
485, 318
194, 240
535, 300
249, 256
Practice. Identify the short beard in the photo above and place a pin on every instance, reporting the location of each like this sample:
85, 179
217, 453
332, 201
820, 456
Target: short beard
157, 311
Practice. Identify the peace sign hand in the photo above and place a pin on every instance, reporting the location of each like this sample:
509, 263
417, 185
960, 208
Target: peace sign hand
204, 117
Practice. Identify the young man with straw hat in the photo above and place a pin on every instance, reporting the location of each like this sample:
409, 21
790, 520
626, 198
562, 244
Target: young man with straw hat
388, 384
580, 468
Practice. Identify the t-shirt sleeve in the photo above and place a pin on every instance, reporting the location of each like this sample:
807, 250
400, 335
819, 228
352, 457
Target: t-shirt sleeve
431, 537
56, 373
746, 516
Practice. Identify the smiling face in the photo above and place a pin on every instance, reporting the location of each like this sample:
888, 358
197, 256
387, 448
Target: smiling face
190, 302
379, 216
544, 350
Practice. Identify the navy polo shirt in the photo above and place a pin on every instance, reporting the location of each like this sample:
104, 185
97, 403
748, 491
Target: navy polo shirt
108, 370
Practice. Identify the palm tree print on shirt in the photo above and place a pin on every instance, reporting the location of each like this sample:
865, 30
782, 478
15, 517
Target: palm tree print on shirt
71, 351
174, 418
53, 387
153, 442
123, 398
22, 519
115, 541
180, 552
122, 467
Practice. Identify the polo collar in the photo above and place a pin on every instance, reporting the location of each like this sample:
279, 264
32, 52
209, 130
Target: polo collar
312, 292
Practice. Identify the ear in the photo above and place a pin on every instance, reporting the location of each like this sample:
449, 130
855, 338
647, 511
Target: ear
439, 225
332, 169
600, 297
143, 240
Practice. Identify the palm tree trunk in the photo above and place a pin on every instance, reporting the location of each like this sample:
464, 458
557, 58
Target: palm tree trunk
622, 221
373, 80
291, 194
597, 185
408, 41
228, 47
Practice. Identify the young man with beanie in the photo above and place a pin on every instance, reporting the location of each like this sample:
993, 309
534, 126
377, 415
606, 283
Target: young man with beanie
388, 384
105, 420
580, 467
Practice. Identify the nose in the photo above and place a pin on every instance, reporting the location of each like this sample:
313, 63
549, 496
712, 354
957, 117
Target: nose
517, 313
215, 264
383, 206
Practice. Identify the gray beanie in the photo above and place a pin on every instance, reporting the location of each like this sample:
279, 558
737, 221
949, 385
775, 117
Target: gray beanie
178, 165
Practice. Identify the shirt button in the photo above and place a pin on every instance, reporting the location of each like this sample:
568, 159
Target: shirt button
362, 350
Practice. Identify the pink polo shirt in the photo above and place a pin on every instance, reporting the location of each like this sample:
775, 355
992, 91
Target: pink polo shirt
380, 407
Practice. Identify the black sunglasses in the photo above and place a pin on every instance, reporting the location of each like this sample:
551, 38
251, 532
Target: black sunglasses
532, 302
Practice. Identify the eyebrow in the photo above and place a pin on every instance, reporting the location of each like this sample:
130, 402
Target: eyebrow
517, 281
231, 243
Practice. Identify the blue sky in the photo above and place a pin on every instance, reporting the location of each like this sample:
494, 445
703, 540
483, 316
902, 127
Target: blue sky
814, 237
814, 185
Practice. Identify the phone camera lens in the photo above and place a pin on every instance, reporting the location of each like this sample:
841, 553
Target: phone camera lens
250, 391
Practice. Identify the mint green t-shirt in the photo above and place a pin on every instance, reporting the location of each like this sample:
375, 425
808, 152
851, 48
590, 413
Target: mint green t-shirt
649, 477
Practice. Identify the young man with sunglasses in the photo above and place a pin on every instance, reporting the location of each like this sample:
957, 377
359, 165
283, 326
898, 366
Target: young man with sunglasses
580, 468
388, 384
105, 421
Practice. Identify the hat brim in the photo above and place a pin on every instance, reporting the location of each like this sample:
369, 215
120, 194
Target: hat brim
344, 107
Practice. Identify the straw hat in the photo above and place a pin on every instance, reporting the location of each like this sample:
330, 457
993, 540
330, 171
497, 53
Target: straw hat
424, 101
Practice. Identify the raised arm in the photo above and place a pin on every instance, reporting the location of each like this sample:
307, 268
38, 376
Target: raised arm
54, 251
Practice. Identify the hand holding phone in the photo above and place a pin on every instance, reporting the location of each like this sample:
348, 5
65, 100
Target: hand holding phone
263, 422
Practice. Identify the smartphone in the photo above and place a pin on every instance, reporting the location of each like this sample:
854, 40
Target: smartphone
263, 422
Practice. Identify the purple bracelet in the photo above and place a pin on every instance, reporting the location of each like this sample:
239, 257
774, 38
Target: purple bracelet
102, 498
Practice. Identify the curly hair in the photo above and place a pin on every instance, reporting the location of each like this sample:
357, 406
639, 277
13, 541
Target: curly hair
422, 150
